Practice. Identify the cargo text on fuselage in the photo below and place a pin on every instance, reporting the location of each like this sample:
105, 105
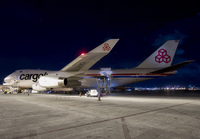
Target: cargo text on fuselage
34, 77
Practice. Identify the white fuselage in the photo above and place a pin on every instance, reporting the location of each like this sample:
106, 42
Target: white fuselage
118, 77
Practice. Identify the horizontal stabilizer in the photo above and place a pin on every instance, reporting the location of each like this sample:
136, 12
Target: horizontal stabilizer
173, 67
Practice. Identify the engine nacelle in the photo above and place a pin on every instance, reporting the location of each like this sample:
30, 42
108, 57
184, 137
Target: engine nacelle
52, 82
73, 83
37, 87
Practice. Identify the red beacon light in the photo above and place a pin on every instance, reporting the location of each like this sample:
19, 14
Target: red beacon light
82, 54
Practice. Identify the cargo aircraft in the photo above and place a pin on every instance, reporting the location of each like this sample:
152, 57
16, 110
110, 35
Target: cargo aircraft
77, 74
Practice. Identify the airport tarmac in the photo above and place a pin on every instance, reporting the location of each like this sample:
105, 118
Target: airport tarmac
51, 116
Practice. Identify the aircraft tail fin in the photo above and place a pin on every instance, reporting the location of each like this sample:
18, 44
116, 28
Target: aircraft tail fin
162, 57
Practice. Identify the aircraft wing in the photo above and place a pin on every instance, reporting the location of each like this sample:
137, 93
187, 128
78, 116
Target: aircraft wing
86, 61
173, 67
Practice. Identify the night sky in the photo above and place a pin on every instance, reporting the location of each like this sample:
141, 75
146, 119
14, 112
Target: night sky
47, 34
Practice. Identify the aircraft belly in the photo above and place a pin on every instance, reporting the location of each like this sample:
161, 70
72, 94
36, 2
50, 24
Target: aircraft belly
92, 82
89, 82
25, 84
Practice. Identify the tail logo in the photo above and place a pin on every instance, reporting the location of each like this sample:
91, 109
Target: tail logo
106, 47
162, 56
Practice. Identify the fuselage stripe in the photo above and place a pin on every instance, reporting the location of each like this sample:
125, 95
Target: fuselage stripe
134, 74
131, 75
137, 76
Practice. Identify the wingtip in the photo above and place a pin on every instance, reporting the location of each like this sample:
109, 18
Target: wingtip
117, 39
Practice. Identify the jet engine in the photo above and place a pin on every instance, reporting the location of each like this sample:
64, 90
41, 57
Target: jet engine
52, 82
37, 87
73, 83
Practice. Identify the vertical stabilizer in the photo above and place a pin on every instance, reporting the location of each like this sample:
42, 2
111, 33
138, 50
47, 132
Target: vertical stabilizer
162, 57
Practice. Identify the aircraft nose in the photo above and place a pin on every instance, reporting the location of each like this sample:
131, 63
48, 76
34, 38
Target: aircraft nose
8, 79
